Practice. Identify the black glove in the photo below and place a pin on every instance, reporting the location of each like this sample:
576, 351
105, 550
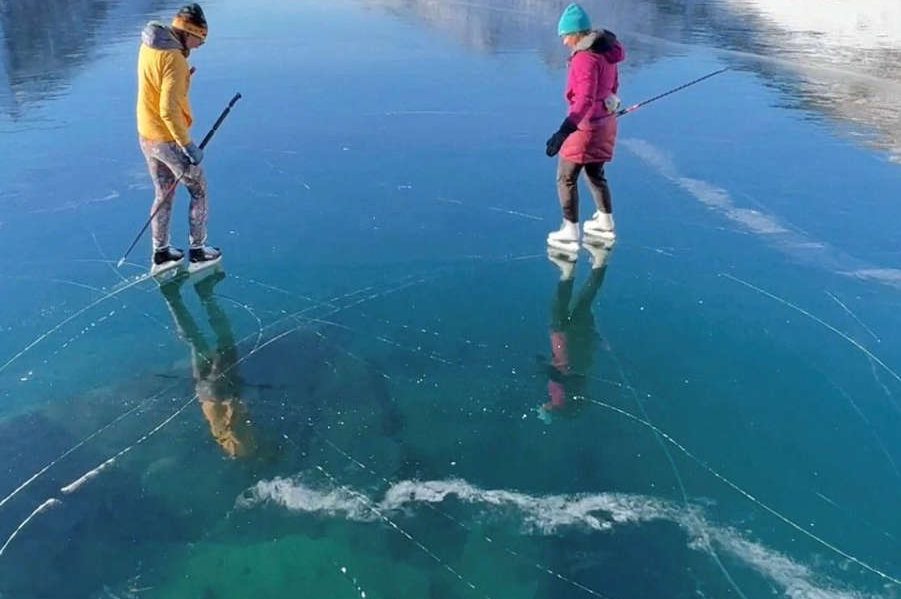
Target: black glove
555, 142
194, 154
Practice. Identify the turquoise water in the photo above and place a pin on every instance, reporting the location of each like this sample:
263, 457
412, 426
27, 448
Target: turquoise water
354, 407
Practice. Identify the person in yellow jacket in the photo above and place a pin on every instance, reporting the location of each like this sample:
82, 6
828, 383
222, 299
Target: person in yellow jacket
164, 128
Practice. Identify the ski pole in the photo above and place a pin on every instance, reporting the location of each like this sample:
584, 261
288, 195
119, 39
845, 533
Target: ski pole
635, 107
175, 183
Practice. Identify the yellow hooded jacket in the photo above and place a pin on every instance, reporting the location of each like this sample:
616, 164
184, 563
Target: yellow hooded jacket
164, 113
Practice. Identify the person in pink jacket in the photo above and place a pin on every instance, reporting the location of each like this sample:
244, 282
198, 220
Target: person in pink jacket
586, 139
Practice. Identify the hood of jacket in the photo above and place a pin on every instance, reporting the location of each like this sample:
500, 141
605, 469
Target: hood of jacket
603, 43
160, 37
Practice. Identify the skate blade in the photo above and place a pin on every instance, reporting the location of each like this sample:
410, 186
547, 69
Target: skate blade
571, 247
201, 270
598, 237
166, 271
555, 254
606, 243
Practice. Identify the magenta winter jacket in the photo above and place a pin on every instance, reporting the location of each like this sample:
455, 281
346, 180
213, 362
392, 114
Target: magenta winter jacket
593, 77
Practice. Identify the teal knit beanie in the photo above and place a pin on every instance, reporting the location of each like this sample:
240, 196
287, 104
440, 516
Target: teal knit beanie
573, 20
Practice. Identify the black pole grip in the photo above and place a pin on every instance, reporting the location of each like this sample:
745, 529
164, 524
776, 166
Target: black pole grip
218, 122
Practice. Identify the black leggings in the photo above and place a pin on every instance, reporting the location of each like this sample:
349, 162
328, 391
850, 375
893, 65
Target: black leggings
568, 187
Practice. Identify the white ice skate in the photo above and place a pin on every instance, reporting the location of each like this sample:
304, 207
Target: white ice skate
600, 226
566, 238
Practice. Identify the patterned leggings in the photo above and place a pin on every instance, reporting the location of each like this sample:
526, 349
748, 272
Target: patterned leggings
166, 163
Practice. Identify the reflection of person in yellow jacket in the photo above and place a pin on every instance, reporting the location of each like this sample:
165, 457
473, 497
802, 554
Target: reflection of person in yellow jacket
164, 122
216, 379
574, 337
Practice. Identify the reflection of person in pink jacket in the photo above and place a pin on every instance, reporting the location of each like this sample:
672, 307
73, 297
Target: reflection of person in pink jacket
586, 139
574, 340
216, 379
